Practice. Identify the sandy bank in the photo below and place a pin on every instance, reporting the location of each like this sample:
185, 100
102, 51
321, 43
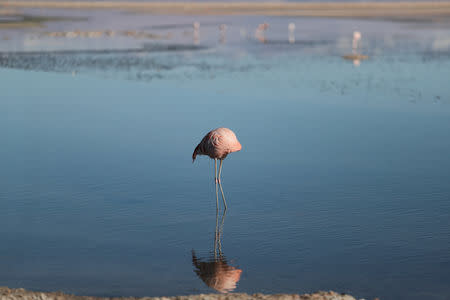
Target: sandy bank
16, 294
340, 9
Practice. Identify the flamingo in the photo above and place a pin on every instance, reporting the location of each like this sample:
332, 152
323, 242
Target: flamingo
223, 30
263, 26
356, 57
355, 41
261, 31
196, 26
217, 144
291, 29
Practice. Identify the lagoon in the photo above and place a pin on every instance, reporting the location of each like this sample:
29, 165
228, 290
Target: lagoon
342, 183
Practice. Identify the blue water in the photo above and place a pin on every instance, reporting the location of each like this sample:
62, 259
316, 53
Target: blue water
342, 183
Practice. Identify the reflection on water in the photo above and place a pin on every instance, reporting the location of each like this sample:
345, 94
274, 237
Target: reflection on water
215, 271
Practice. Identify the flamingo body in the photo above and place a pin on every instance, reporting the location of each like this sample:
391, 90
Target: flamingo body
217, 144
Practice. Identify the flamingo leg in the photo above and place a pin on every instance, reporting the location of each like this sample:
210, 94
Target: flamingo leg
215, 182
215, 170
223, 198
220, 185
220, 170
217, 200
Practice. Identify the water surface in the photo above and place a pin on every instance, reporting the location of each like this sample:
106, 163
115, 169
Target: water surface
342, 183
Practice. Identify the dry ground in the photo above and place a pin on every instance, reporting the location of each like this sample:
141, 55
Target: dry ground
338, 9
21, 294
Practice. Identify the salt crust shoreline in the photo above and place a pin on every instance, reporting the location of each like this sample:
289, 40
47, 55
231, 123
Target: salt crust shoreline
307, 9
21, 294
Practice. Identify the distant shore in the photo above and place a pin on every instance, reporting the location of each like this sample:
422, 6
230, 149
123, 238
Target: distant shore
16, 294
426, 9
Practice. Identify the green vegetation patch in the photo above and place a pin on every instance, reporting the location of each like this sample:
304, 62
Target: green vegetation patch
20, 21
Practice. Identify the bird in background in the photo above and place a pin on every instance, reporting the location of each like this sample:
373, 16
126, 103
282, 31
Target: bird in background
356, 41
291, 29
260, 32
217, 144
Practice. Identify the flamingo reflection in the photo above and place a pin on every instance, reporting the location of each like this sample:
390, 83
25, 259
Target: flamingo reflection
215, 271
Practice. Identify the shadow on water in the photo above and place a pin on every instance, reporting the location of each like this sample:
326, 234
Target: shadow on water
214, 270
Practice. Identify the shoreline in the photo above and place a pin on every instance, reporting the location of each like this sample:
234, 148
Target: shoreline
325, 9
16, 294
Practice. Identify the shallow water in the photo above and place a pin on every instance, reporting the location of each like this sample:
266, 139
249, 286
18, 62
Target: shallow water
342, 183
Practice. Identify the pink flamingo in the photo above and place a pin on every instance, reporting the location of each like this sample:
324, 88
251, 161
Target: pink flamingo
260, 32
217, 144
